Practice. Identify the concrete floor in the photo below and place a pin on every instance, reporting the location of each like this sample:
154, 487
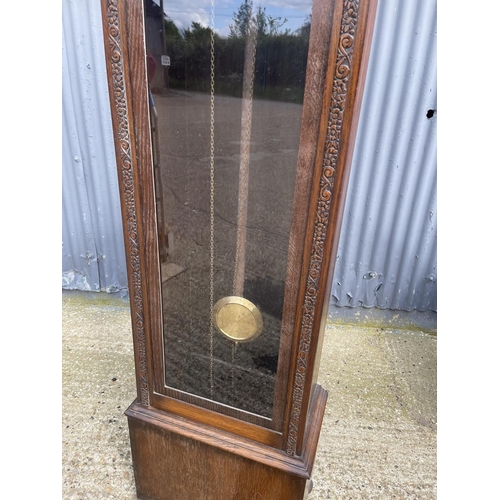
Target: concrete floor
378, 439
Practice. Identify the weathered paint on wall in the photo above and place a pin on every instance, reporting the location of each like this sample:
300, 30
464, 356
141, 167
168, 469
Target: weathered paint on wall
93, 256
387, 249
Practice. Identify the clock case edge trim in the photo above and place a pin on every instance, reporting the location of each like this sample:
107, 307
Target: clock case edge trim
348, 62
117, 64
267, 455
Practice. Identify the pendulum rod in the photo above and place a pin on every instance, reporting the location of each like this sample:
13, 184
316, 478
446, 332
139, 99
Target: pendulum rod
241, 221
246, 131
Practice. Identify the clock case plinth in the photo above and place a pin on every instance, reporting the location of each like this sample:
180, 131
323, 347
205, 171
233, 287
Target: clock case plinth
175, 458
180, 450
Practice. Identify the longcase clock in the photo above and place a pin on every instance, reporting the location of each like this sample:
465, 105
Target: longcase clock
233, 138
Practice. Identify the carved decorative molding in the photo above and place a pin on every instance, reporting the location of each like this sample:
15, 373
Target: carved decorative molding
322, 220
119, 101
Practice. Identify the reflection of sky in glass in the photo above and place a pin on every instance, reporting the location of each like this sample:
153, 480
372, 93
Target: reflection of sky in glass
185, 11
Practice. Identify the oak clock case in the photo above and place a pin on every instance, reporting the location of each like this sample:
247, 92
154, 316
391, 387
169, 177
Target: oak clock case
232, 155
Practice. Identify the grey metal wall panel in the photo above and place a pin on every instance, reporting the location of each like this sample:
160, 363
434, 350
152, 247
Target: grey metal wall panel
93, 249
387, 249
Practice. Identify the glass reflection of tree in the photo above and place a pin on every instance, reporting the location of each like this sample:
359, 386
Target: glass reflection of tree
280, 58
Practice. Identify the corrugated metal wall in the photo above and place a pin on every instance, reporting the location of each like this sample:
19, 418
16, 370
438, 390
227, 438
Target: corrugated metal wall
93, 256
387, 249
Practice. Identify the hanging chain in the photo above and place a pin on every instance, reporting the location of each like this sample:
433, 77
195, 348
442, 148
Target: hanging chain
212, 188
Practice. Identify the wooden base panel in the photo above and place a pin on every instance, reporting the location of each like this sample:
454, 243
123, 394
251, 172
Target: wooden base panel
177, 459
